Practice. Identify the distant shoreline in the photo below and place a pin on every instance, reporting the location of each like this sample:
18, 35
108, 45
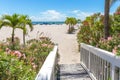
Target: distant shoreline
47, 22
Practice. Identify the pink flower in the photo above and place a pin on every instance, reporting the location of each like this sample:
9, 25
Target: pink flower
50, 46
18, 54
8, 51
32, 59
24, 56
109, 38
117, 13
102, 40
34, 65
44, 45
114, 50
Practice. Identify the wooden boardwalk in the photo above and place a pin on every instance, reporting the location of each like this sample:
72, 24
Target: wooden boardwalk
72, 72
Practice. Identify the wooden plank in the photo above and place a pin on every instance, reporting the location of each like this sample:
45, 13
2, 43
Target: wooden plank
72, 72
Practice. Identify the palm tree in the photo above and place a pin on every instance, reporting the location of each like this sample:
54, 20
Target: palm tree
10, 21
79, 21
1, 24
71, 21
108, 3
68, 22
24, 20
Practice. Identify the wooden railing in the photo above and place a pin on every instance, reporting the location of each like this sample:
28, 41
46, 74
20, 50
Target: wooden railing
47, 71
100, 64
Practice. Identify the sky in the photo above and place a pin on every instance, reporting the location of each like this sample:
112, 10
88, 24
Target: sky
54, 10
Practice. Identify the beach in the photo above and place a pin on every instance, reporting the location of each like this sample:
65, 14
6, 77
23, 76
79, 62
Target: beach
67, 43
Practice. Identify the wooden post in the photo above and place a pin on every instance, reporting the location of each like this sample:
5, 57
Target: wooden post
119, 73
100, 63
89, 62
112, 72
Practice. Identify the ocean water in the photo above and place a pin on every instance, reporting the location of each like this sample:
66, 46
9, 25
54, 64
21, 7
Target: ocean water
47, 22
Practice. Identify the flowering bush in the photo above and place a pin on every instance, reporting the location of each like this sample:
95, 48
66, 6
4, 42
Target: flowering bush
23, 63
12, 68
118, 52
91, 32
111, 44
8, 44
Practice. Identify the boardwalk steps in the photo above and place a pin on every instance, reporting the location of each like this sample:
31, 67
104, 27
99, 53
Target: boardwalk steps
72, 72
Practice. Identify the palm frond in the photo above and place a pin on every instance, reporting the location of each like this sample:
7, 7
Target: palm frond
24, 20
112, 2
9, 20
6, 18
29, 22
5, 23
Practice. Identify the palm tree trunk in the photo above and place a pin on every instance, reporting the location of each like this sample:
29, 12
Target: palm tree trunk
69, 29
24, 39
13, 44
106, 19
13, 31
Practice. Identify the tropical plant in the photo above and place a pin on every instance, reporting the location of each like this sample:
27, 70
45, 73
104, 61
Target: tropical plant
78, 21
24, 21
108, 3
115, 26
12, 68
118, 52
109, 44
106, 19
91, 29
23, 63
11, 21
71, 21
1, 23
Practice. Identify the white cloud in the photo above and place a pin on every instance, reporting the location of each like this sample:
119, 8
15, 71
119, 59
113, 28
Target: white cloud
49, 15
53, 15
34, 18
80, 14
75, 11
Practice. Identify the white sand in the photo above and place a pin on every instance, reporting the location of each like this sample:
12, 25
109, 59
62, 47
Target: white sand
68, 47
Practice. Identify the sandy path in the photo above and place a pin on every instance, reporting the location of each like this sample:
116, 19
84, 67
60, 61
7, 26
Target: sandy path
68, 49
66, 42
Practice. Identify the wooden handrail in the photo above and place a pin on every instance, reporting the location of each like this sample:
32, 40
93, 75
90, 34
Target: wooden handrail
47, 71
101, 64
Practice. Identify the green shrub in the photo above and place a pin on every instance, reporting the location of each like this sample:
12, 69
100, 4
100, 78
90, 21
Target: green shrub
23, 63
110, 43
71, 21
92, 29
8, 44
12, 68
